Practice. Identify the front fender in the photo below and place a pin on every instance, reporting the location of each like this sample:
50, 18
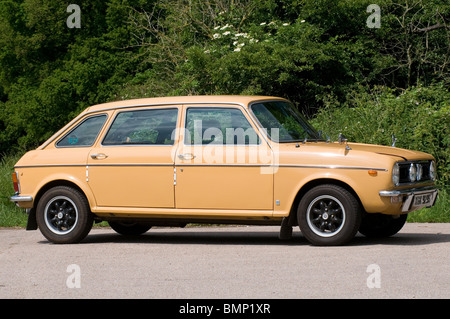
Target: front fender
292, 182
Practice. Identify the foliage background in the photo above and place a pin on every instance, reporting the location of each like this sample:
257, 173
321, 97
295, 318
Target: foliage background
367, 83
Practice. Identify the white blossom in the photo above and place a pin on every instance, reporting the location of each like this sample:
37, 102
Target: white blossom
245, 35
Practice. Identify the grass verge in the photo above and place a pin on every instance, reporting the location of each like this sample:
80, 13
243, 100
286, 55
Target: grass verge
439, 213
10, 215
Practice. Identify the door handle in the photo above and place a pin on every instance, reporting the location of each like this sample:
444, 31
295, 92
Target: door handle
186, 156
99, 156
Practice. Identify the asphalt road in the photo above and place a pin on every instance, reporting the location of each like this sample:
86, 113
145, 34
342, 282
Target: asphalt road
225, 262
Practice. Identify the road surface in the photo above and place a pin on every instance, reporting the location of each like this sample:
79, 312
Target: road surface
225, 262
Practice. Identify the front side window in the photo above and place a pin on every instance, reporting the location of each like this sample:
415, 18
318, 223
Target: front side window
143, 127
283, 122
221, 126
84, 134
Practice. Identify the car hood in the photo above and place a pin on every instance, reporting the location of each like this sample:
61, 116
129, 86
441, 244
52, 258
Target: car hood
346, 154
400, 153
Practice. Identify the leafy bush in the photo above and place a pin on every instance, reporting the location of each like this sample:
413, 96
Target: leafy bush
419, 118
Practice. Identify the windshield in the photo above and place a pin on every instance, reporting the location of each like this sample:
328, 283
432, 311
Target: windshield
283, 119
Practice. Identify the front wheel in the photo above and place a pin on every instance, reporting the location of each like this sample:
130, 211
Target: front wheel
63, 215
329, 215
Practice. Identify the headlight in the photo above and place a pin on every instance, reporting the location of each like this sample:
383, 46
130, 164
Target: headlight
419, 172
396, 174
412, 173
433, 171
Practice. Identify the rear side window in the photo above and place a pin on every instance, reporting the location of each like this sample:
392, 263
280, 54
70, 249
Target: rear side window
84, 134
143, 127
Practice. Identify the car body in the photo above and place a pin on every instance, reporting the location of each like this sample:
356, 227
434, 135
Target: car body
170, 161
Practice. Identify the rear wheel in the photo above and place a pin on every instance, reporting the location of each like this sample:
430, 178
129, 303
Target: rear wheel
329, 215
63, 215
129, 228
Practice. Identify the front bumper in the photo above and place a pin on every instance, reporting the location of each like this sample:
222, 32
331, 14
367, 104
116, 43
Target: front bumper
413, 198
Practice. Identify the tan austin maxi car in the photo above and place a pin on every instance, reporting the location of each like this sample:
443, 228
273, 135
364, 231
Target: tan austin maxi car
216, 159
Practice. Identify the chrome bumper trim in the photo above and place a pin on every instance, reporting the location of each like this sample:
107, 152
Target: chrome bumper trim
17, 198
409, 193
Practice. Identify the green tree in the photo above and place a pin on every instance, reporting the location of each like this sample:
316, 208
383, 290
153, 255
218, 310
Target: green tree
50, 72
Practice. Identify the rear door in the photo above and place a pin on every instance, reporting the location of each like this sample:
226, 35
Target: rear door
133, 166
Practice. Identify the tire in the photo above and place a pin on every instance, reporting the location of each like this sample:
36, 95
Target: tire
129, 228
329, 215
381, 226
63, 215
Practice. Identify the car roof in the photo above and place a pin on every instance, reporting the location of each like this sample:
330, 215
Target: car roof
199, 99
171, 100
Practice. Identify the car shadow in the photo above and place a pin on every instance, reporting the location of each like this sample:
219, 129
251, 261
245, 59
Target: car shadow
238, 237
198, 238
403, 239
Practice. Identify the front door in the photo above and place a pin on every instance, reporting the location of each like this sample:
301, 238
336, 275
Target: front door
134, 164
221, 162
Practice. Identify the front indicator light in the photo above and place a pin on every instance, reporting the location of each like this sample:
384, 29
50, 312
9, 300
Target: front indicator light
373, 173
396, 199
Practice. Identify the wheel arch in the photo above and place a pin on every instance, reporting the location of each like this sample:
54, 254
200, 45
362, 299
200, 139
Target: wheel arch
31, 223
310, 185
54, 183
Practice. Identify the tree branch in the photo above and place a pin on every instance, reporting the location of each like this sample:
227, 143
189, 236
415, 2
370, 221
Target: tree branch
431, 27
